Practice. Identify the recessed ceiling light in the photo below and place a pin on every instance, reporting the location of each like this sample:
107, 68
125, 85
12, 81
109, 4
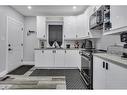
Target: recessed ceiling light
74, 7
29, 7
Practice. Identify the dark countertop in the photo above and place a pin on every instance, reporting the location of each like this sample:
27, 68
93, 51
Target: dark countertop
58, 49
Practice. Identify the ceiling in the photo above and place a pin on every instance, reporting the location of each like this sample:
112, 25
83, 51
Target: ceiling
50, 10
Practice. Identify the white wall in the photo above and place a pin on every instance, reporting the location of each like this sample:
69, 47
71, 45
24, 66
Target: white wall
4, 12
30, 42
106, 41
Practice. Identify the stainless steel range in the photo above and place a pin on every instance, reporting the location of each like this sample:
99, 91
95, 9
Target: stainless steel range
87, 66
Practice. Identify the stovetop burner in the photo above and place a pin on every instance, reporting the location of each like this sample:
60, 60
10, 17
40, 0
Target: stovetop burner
93, 50
89, 52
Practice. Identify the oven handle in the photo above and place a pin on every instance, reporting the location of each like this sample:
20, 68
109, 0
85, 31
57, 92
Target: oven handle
84, 80
85, 58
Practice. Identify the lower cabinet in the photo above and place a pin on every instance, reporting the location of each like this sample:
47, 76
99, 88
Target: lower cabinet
99, 75
57, 58
44, 58
108, 75
72, 58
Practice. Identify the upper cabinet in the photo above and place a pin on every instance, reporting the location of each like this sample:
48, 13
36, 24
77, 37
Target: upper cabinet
76, 27
41, 27
81, 26
118, 16
88, 32
69, 27
118, 19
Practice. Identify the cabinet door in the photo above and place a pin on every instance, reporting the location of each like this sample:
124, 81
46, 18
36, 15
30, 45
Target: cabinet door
80, 26
87, 17
41, 27
70, 58
99, 74
59, 58
116, 77
44, 58
78, 59
69, 27
118, 16
86, 20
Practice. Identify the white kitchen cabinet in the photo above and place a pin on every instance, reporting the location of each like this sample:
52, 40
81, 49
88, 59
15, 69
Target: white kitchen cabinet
59, 58
80, 26
69, 27
114, 77
117, 19
78, 59
118, 16
99, 75
87, 17
72, 58
90, 33
44, 58
41, 27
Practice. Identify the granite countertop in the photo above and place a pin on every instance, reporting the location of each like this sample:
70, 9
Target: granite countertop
113, 58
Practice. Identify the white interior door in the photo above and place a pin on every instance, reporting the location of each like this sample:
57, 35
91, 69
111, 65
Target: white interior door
15, 43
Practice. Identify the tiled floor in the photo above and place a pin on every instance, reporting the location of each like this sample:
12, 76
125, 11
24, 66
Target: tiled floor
44, 79
73, 78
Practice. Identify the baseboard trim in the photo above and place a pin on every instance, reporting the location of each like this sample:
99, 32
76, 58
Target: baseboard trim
3, 73
28, 63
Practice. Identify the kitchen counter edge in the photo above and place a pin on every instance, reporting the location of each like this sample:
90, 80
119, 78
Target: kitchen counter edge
59, 49
113, 58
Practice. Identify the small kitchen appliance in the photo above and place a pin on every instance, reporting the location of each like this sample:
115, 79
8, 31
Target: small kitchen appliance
87, 44
67, 45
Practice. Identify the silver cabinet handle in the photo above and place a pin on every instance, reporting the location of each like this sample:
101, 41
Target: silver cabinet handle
106, 66
103, 64
42, 51
10, 49
54, 51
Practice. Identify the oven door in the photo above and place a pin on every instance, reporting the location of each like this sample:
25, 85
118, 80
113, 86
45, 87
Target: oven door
86, 70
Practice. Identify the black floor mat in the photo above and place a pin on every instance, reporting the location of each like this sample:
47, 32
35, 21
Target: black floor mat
73, 78
21, 70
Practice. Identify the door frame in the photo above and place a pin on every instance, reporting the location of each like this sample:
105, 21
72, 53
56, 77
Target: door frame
19, 22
